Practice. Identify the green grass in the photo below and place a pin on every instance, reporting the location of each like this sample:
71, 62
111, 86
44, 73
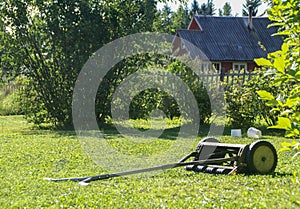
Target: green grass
28, 155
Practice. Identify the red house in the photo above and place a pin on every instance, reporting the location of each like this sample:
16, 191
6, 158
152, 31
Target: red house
229, 42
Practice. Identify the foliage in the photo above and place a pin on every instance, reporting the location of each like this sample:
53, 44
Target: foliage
284, 65
1, 76
195, 9
254, 3
48, 43
205, 8
50, 53
9, 104
244, 107
165, 20
141, 106
42, 153
197, 88
291, 146
208, 8
151, 99
227, 11
181, 18
168, 21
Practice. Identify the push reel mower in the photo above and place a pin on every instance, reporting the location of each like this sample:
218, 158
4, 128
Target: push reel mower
210, 156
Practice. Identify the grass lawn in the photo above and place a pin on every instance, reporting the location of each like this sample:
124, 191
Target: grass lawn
28, 155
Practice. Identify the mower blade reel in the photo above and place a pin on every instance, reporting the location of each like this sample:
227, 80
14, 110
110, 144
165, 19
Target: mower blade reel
196, 168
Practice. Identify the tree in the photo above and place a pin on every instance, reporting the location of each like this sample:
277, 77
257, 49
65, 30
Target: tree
195, 9
181, 18
227, 9
164, 21
254, 3
284, 66
203, 9
49, 52
220, 12
49, 41
1, 51
208, 8
149, 13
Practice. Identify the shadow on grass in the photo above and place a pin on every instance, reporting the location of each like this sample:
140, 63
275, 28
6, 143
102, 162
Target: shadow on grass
274, 174
58, 133
264, 129
167, 134
109, 130
281, 174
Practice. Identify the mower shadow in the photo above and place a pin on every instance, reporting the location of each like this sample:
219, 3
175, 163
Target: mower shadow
273, 175
281, 174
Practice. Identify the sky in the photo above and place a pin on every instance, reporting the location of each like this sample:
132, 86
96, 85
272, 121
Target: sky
236, 5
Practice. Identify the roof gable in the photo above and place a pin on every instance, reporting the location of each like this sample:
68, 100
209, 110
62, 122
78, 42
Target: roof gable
194, 25
229, 38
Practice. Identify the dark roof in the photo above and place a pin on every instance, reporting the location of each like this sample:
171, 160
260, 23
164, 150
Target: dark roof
229, 38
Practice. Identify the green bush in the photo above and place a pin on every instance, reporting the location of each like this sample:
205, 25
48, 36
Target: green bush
51, 45
284, 65
151, 99
146, 101
29, 102
9, 104
196, 87
244, 107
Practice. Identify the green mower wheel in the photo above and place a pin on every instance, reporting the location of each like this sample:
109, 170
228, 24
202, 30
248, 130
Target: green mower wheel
261, 158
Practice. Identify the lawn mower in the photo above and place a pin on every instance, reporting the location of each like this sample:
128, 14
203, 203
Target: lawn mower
210, 156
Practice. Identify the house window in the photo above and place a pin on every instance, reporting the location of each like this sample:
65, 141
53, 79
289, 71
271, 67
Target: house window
239, 66
216, 66
205, 67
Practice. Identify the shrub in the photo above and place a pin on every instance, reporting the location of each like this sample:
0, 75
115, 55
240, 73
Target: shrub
244, 107
151, 99
156, 98
196, 87
9, 104
285, 67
